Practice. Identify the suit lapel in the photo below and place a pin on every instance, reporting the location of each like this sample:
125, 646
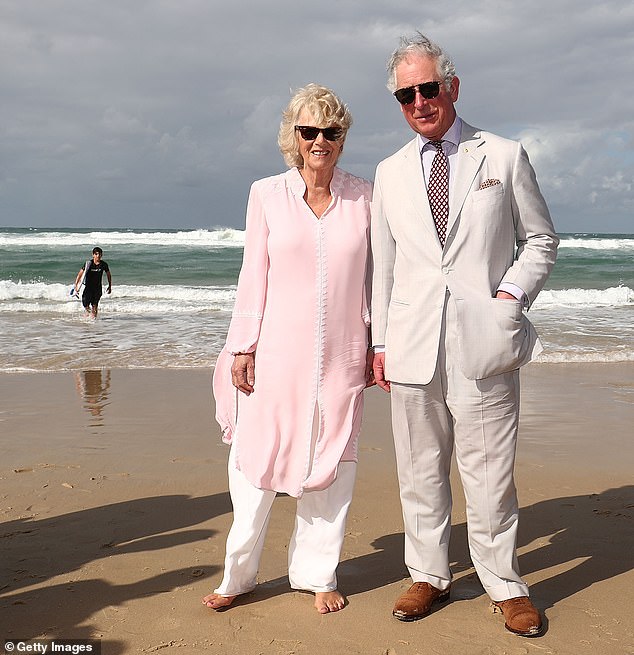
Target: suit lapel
415, 184
468, 163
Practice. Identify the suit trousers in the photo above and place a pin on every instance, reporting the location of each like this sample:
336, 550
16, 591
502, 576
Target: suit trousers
479, 418
316, 542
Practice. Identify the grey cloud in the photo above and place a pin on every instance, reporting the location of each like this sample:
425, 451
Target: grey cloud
156, 114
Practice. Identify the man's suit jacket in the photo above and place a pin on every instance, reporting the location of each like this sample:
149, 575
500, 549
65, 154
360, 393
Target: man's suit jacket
499, 230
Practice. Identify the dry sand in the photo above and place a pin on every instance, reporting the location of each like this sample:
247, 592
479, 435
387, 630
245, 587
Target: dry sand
115, 511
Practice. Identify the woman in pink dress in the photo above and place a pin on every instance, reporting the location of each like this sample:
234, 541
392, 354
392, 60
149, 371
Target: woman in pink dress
289, 382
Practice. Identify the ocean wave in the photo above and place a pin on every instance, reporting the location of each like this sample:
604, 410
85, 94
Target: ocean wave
598, 243
225, 237
214, 238
613, 297
202, 358
585, 357
620, 296
42, 297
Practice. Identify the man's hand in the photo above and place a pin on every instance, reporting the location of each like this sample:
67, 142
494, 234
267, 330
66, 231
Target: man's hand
378, 366
502, 295
243, 372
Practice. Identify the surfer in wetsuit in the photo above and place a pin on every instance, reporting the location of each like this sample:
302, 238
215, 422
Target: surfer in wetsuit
92, 273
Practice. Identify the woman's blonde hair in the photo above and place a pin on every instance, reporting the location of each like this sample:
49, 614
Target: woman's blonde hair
324, 106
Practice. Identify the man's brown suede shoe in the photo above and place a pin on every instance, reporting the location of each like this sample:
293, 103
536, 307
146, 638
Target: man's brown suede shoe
416, 602
520, 615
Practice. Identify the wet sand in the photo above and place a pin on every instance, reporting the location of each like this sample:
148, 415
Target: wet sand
115, 511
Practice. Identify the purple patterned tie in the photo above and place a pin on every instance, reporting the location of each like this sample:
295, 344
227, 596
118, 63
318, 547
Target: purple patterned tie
438, 191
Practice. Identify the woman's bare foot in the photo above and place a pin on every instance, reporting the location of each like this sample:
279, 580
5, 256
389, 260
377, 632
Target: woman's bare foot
216, 601
329, 601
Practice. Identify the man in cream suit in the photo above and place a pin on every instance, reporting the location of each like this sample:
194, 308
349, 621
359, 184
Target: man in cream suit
462, 243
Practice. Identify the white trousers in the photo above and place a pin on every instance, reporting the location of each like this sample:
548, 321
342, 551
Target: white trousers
315, 546
480, 419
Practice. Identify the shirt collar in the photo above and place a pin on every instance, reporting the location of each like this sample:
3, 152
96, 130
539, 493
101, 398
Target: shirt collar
452, 135
298, 186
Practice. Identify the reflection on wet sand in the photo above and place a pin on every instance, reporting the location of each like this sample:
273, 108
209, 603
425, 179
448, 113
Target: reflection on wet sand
94, 389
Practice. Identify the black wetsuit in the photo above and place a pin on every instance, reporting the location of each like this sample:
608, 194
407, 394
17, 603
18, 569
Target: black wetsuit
92, 290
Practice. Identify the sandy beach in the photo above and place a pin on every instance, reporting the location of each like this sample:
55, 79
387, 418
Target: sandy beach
115, 512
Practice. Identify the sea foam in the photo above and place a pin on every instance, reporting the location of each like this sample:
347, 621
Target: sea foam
598, 243
214, 238
613, 297
39, 297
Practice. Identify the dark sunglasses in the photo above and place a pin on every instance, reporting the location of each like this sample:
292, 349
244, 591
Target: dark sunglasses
428, 90
310, 133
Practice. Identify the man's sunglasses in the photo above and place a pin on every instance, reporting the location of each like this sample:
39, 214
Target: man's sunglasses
310, 133
428, 90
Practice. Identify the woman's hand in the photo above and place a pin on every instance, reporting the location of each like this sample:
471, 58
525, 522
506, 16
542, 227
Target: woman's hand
243, 372
369, 373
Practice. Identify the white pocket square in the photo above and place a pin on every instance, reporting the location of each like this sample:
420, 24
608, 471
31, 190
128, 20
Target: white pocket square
487, 183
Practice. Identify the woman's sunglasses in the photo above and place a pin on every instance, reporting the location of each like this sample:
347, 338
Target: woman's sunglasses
428, 90
310, 133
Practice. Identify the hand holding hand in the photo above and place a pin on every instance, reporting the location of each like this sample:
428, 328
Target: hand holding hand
243, 372
369, 373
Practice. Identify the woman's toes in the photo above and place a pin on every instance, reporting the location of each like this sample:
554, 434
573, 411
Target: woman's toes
329, 601
216, 601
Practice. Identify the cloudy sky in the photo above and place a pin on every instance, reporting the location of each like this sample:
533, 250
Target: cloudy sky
160, 113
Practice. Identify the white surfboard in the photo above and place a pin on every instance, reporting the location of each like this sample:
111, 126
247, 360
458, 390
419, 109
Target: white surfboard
75, 293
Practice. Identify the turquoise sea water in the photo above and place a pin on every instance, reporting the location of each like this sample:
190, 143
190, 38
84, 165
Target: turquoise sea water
173, 292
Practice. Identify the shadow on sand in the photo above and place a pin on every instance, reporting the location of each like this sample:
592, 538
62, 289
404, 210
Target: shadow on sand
38, 550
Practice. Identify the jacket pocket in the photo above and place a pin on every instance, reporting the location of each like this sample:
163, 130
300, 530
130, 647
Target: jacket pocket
495, 336
398, 303
491, 193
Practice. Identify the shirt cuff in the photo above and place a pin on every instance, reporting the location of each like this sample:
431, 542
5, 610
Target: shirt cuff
514, 290
378, 349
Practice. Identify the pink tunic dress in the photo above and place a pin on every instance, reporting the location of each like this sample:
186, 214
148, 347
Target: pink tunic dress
302, 306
